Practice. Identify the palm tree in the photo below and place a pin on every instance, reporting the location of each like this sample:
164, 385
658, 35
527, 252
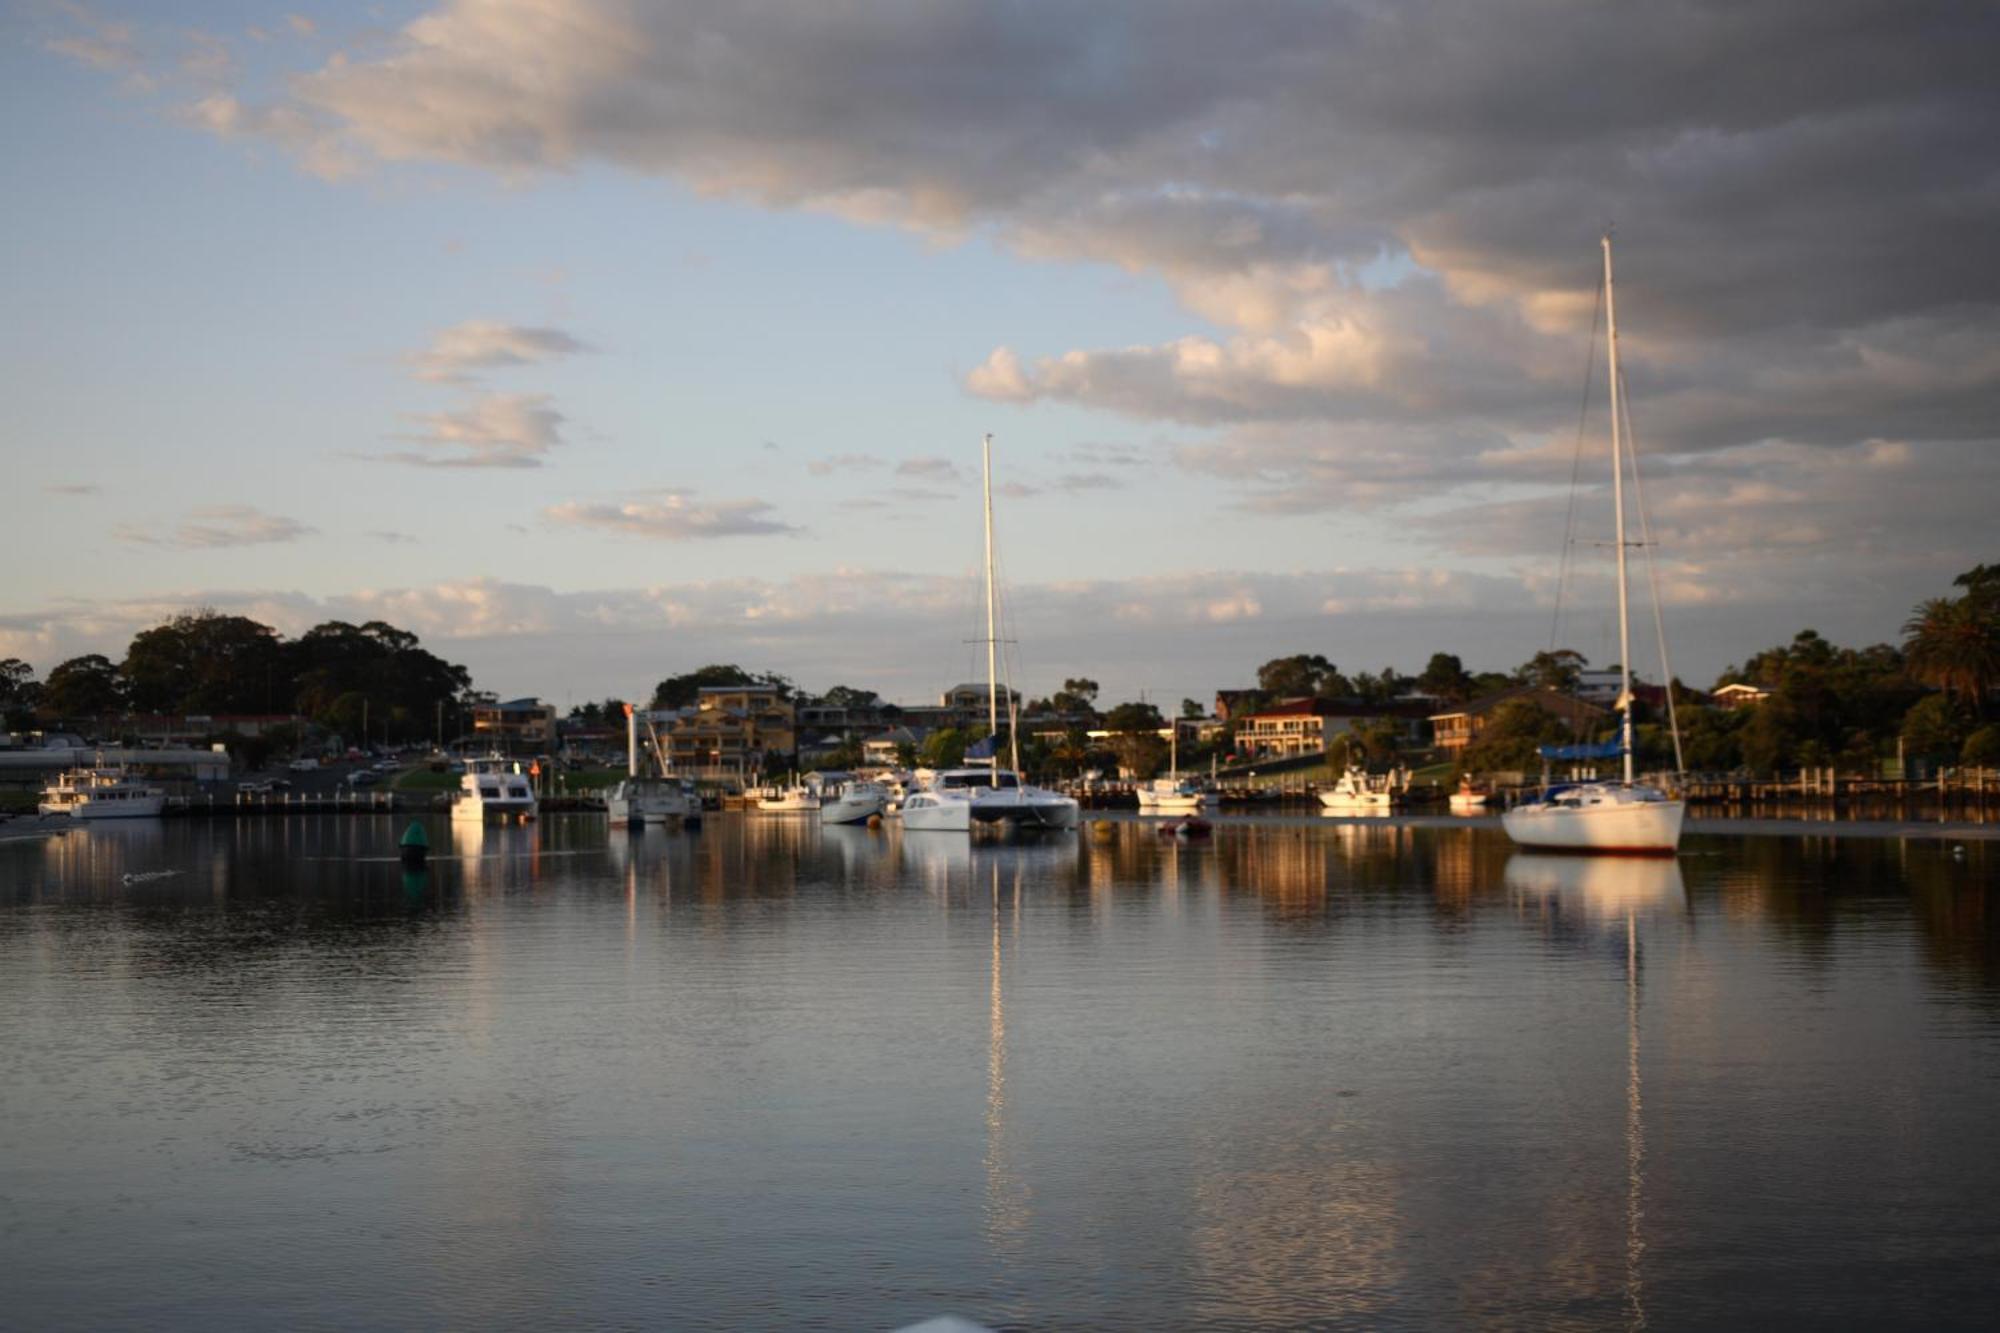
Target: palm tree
1949, 642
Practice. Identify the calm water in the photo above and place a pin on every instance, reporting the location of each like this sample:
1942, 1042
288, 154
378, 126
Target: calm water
769, 1075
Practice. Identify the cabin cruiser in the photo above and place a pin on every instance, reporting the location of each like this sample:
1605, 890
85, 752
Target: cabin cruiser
101, 793
1470, 798
957, 800
1360, 792
494, 789
795, 799
852, 802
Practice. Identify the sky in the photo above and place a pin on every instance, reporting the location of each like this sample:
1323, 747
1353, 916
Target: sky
596, 340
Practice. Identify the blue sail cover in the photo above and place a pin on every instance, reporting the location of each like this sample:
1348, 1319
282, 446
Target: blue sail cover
981, 748
1599, 750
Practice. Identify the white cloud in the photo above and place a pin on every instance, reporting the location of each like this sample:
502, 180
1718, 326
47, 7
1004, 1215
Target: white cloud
510, 430
677, 516
480, 344
823, 467
217, 526
928, 469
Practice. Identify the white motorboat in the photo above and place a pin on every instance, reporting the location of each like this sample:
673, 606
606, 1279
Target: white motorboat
638, 800
959, 800
102, 793
793, 800
1622, 816
1363, 793
1470, 799
854, 802
494, 790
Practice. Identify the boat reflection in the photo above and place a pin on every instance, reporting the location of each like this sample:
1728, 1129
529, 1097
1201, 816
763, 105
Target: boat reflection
1604, 886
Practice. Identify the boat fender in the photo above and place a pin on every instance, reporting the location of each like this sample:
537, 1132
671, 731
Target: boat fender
874, 821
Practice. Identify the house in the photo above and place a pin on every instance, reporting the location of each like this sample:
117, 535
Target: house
1459, 728
1737, 695
885, 750
729, 730
1308, 726
518, 725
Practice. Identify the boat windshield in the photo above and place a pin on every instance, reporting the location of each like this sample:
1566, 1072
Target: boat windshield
976, 779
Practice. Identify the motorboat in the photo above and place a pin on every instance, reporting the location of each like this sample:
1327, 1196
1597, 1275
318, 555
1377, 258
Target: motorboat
793, 800
1361, 792
102, 793
852, 802
1621, 816
1470, 798
958, 800
493, 790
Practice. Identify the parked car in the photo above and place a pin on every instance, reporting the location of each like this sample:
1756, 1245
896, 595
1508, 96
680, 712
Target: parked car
253, 788
362, 777
304, 764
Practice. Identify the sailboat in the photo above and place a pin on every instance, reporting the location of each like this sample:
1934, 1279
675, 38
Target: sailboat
637, 801
1172, 794
1623, 816
958, 800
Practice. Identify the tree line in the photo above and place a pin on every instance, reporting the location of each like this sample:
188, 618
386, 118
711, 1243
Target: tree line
203, 662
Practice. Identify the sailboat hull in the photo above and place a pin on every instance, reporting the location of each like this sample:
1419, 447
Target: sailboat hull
1640, 828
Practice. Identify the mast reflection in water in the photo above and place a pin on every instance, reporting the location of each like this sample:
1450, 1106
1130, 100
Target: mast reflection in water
770, 1074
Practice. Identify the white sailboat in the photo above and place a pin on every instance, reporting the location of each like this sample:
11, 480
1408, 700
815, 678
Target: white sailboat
1623, 816
960, 799
1172, 794
637, 801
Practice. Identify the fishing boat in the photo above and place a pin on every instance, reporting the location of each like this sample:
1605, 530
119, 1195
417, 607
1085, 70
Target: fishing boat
1621, 816
638, 800
959, 800
102, 793
796, 799
1359, 792
494, 790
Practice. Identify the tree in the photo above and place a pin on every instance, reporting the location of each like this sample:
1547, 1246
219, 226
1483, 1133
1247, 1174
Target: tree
1554, 669
1134, 718
87, 686
847, 696
1954, 642
1077, 695
1444, 676
18, 691
681, 691
1936, 728
1982, 747
945, 747
204, 662
1302, 674
1512, 736
1191, 710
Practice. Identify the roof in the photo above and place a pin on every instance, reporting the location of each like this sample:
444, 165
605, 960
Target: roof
735, 689
1553, 700
1317, 707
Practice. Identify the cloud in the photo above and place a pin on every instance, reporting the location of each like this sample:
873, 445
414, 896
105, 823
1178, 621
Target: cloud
212, 527
676, 517
393, 538
822, 467
511, 430
479, 344
74, 488
100, 43
928, 469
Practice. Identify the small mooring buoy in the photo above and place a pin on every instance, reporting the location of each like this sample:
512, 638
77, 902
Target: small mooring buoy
1102, 830
415, 846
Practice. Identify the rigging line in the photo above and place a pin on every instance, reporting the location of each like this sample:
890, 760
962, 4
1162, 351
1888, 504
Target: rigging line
1564, 561
1653, 580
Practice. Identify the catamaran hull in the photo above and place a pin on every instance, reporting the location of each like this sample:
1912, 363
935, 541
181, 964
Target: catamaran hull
1643, 828
1369, 803
1151, 804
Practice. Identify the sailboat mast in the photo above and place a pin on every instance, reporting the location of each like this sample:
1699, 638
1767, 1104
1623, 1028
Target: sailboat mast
992, 632
631, 742
1618, 504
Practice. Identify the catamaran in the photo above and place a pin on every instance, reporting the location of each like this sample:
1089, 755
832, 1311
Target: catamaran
1622, 816
961, 799
494, 788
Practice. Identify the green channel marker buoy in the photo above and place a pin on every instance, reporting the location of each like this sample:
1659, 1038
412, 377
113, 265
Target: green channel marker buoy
415, 845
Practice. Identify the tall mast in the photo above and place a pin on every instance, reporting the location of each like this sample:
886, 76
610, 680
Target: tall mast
631, 742
1618, 503
992, 632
